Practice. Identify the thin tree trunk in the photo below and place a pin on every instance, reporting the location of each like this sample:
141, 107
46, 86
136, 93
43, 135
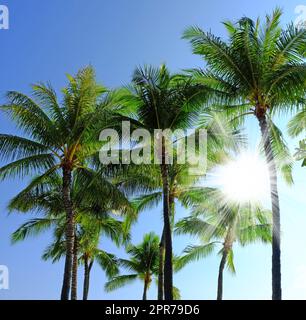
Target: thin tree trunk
145, 289
168, 268
87, 269
172, 211
69, 233
160, 295
220, 276
276, 251
74, 283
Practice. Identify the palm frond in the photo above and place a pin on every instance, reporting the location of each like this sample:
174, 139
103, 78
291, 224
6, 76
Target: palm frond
119, 281
194, 253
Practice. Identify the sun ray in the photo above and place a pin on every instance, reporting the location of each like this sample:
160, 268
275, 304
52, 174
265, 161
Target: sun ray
244, 179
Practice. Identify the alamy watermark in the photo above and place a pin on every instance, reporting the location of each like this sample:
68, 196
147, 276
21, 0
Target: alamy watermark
4, 17
300, 21
4, 277
160, 147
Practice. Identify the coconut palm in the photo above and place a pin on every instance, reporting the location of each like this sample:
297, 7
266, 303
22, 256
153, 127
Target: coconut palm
58, 137
163, 101
259, 71
218, 223
143, 263
178, 176
86, 254
181, 188
221, 139
93, 218
89, 232
90, 235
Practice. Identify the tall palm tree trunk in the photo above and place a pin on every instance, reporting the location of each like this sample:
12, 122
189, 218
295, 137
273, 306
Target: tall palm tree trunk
168, 272
69, 233
220, 276
160, 294
74, 282
87, 269
276, 251
145, 289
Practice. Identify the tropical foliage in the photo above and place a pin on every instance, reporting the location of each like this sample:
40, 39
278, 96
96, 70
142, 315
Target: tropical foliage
218, 223
258, 70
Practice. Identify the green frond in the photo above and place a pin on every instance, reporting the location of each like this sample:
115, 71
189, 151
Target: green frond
30, 117
230, 261
14, 147
194, 253
108, 262
22, 167
281, 153
176, 293
33, 227
198, 227
37, 194
147, 201
120, 281
297, 124
46, 96
55, 251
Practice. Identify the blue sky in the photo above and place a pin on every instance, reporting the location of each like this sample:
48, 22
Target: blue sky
48, 39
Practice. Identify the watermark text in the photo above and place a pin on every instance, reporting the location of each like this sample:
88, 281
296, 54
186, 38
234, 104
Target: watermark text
159, 147
4, 17
4, 277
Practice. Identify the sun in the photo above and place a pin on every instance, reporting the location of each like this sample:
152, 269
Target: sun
245, 179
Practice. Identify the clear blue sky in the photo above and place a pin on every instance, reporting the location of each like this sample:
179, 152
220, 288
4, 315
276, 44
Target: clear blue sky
50, 38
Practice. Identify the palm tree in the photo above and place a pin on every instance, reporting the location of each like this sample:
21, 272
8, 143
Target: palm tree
296, 126
57, 138
163, 101
90, 230
93, 218
260, 70
221, 139
143, 263
181, 188
216, 222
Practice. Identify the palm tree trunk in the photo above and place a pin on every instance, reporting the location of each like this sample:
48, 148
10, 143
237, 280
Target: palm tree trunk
69, 233
145, 289
160, 295
220, 276
87, 269
276, 251
171, 206
168, 272
74, 283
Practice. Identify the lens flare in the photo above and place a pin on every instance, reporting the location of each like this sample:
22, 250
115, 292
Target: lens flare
245, 179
